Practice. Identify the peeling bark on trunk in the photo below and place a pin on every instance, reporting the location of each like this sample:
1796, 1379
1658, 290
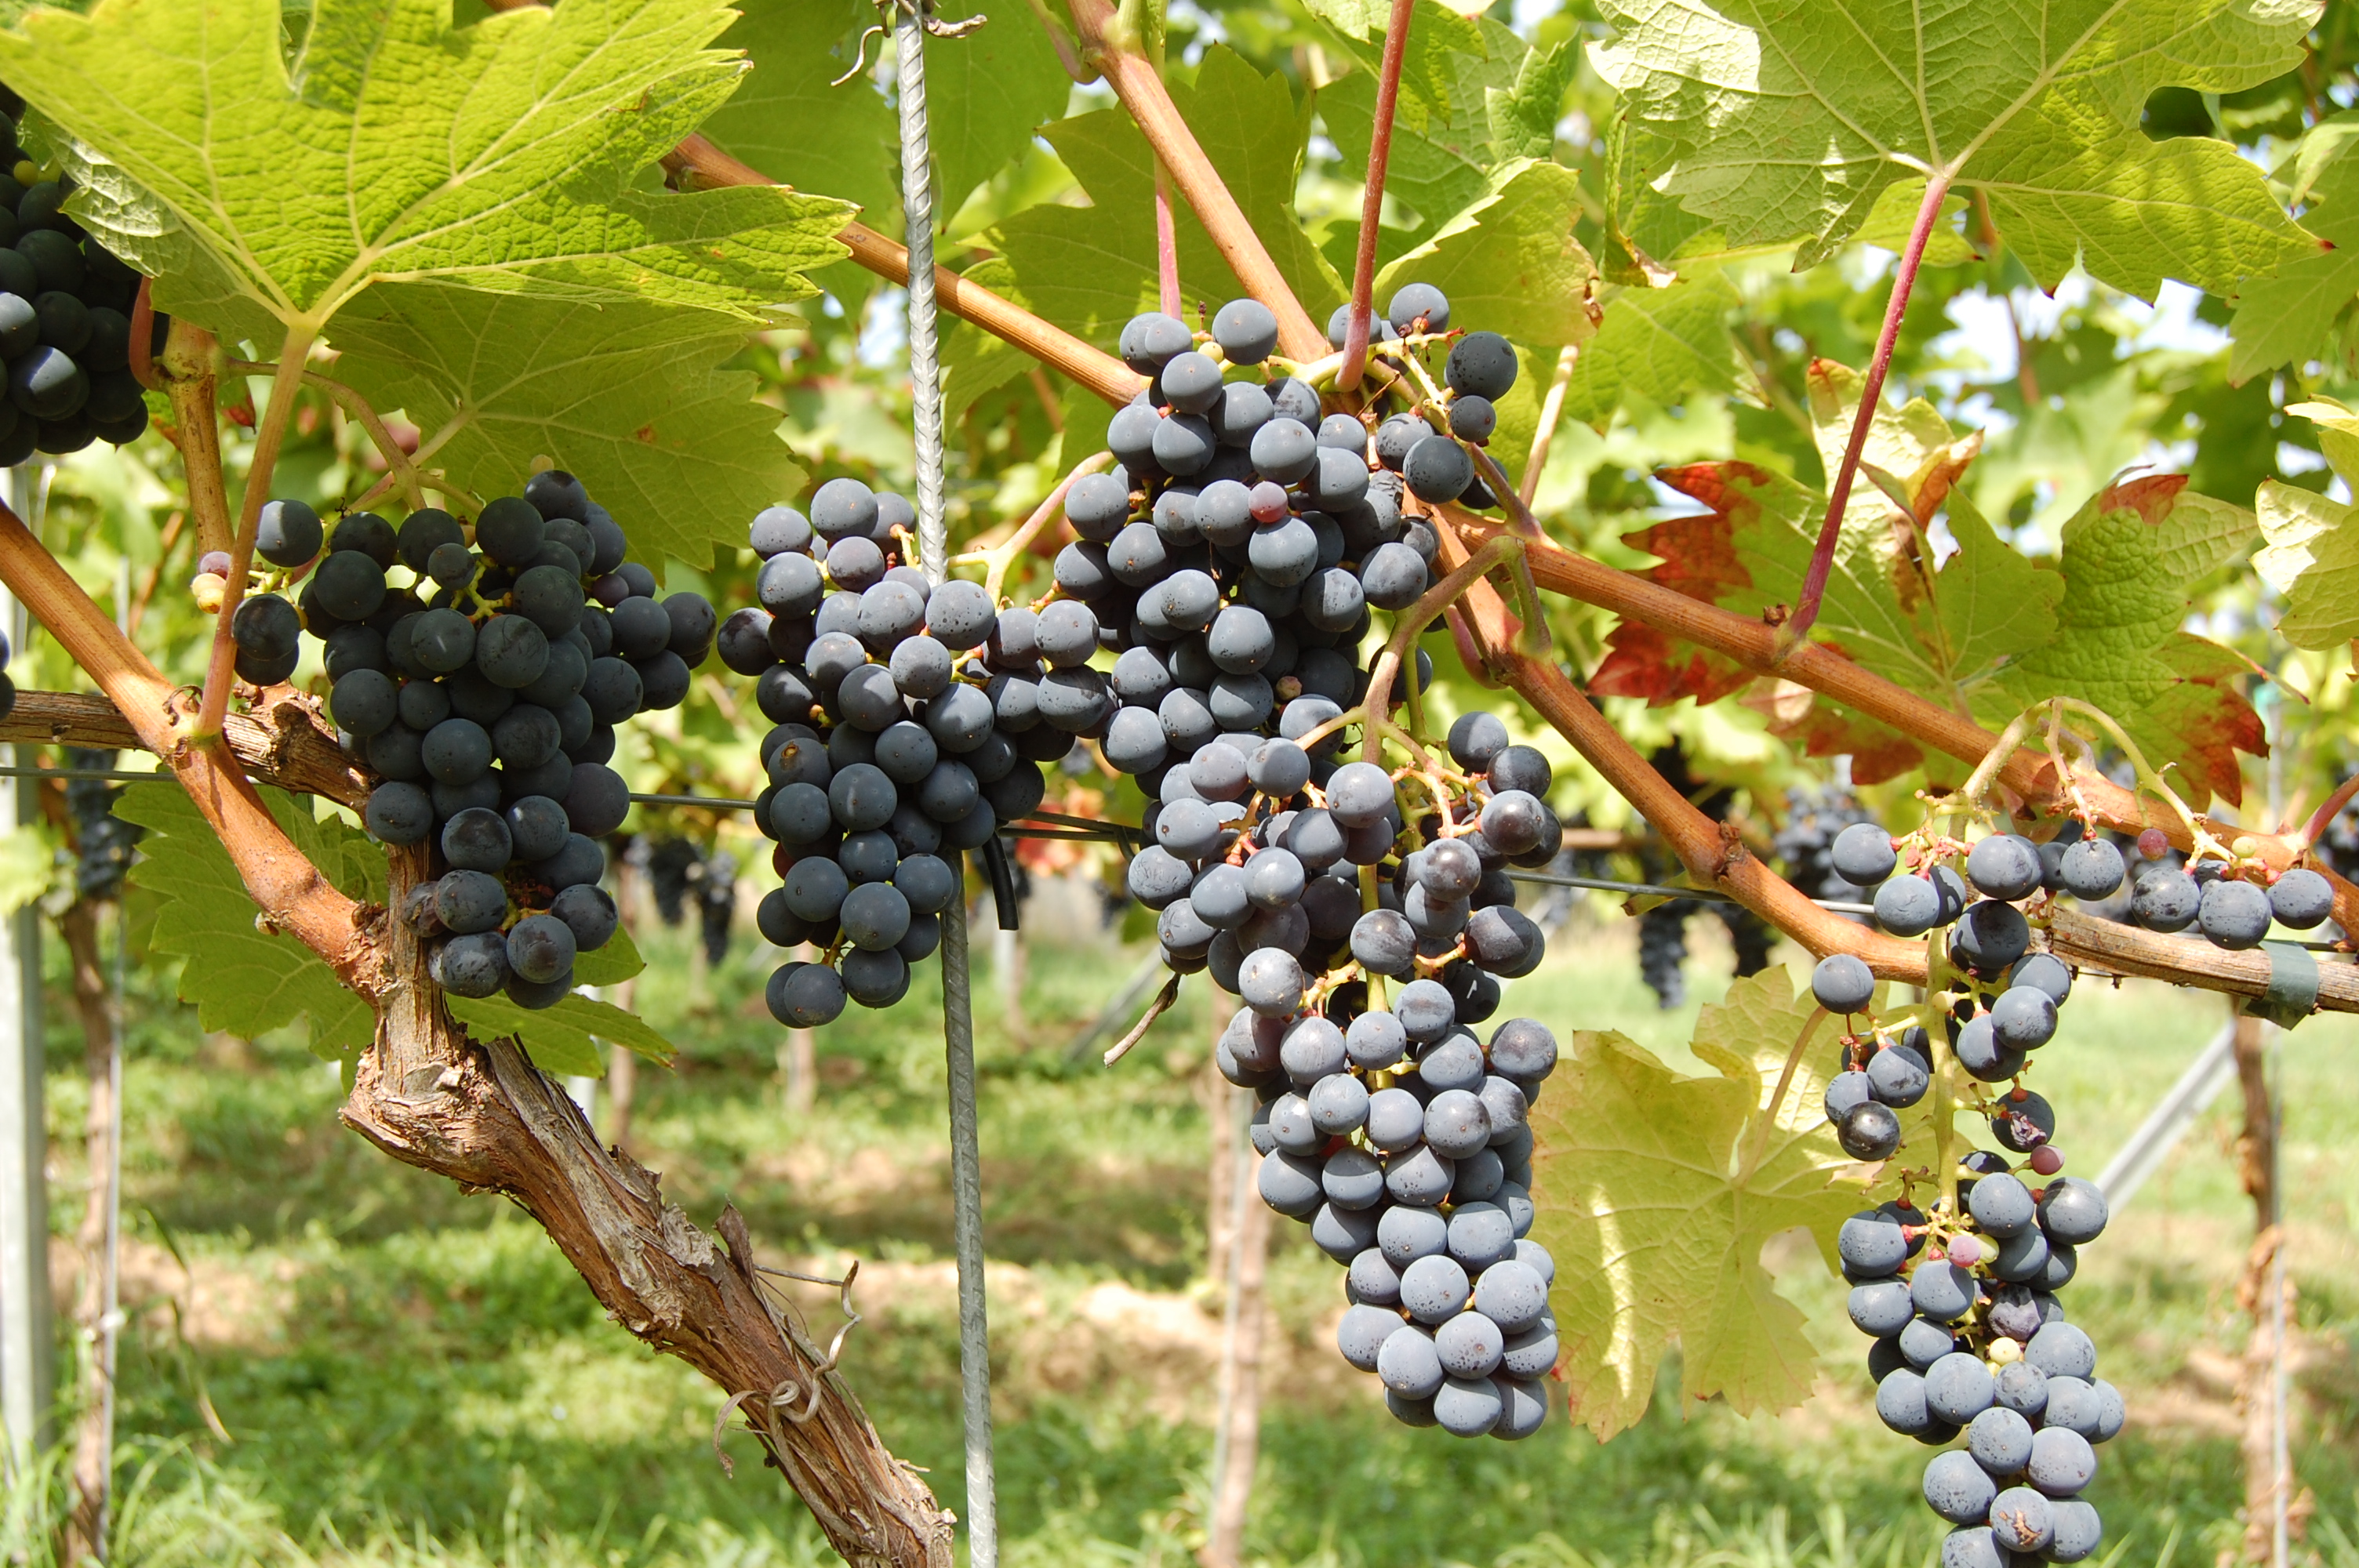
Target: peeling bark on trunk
482, 1115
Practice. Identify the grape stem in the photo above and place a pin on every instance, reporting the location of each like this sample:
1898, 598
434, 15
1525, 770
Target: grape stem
189, 375
1532, 640
1166, 246
999, 559
1551, 411
2328, 810
1871, 395
1778, 1096
1372, 715
1823, 670
1163, 999
404, 471
1140, 87
1938, 975
1372, 197
220, 669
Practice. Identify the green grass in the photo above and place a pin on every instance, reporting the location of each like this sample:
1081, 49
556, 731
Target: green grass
407, 1375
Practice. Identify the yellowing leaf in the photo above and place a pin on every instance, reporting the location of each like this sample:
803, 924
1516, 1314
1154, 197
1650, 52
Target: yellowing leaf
1791, 121
1657, 1191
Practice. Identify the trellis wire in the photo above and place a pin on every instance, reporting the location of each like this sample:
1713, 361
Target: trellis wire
958, 1004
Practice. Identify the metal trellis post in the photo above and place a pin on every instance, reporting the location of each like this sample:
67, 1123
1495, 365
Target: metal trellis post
958, 1002
26, 1369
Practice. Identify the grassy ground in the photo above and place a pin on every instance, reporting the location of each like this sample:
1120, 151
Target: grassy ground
396, 1373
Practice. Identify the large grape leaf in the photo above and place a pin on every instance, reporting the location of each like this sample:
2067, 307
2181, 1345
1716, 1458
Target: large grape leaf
2313, 554
1664, 1189
267, 192
1659, 343
2130, 560
632, 398
246, 981
1790, 122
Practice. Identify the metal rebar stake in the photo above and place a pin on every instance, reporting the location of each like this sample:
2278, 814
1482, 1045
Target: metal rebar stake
958, 1002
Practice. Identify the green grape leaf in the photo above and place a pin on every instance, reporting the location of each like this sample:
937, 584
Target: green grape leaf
1667, 1187
2290, 314
245, 981
632, 398
394, 147
1523, 117
611, 965
1790, 123
2312, 552
1443, 125
1659, 343
1510, 257
793, 121
2129, 560
561, 1040
1089, 269
985, 94
1248, 125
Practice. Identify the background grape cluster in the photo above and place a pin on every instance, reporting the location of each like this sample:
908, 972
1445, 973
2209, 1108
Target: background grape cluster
888, 758
1964, 1300
478, 672
66, 304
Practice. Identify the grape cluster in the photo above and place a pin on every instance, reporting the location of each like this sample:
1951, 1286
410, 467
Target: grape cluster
1803, 848
7, 686
2233, 907
1232, 558
104, 842
677, 868
1391, 1129
66, 304
893, 749
1963, 1299
477, 674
